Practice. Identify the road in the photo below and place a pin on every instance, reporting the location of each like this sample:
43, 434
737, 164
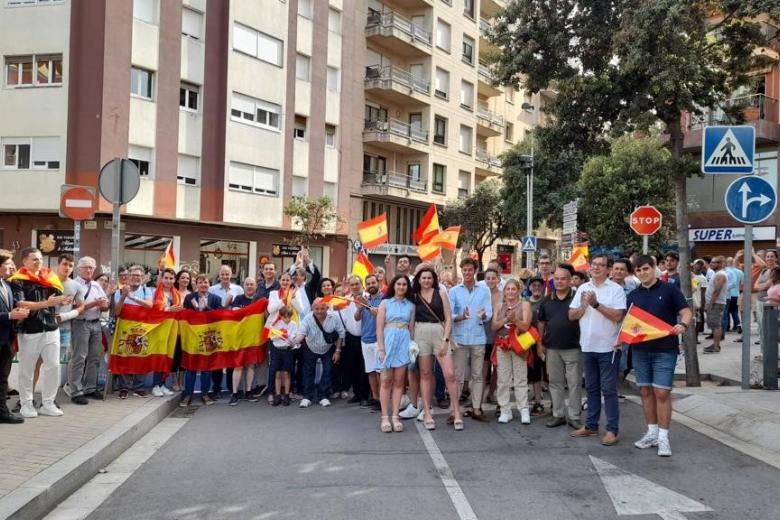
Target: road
258, 462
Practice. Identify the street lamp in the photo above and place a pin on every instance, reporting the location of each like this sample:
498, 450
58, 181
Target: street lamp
529, 183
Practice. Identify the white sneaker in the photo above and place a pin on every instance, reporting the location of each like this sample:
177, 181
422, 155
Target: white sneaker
648, 441
525, 416
410, 412
344, 395
325, 402
28, 411
66, 389
157, 391
405, 401
51, 410
505, 417
664, 448
166, 390
305, 403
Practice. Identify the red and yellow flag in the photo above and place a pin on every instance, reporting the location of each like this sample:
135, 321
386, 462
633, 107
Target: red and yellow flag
168, 258
639, 325
45, 277
373, 232
337, 302
362, 266
579, 257
429, 226
428, 251
212, 340
160, 302
521, 342
144, 341
448, 239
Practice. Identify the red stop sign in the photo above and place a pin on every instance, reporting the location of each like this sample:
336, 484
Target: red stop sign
645, 220
77, 202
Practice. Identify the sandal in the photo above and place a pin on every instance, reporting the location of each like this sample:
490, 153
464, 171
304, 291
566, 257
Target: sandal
398, 426
458, 425
385, 425
537, 409
451, 420
429, 424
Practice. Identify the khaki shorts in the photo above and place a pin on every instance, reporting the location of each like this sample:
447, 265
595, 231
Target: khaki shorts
715, 316
428, 337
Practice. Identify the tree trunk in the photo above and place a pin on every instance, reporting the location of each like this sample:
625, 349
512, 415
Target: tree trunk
676, 141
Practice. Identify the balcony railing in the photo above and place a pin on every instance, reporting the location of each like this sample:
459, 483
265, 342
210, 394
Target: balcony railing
484, 25
395, 180
491, 117
399, 128
757, 107
484, 156
403, 77
390, 19
485, 72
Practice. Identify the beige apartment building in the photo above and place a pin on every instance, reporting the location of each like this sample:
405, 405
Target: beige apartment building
231, 107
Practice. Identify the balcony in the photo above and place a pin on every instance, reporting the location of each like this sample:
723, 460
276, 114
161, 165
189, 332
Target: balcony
487, 164
397, 86
489, 8
398, 185
396, 136
485, 45
398, 34
413, 4
487, 84
758, 110
489, 123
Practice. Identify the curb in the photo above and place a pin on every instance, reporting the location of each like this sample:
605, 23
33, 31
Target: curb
40, 494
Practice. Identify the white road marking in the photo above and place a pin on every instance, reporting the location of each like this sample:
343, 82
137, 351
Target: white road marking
90, 496
634, 495
458, 498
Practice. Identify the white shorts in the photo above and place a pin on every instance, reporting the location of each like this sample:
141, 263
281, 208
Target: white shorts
369, 357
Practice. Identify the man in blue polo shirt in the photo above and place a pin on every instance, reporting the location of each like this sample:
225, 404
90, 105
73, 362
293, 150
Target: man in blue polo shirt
654, 360
365, 313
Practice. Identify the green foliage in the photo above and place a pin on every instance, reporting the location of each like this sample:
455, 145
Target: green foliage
313, 216
481, 217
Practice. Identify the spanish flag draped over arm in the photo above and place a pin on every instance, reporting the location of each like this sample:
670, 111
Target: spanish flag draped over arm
373, 232
144, 341
45, 277
639, 325
212, 340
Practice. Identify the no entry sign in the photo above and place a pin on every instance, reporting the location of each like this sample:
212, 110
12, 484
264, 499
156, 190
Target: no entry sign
77, 202
645, 220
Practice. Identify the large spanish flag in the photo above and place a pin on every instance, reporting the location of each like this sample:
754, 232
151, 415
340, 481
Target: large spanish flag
429, 225
212, 340
373, 232
522, 342
144, 341
639, 325
579, 257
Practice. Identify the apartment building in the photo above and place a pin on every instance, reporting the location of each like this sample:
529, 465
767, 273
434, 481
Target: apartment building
712, 230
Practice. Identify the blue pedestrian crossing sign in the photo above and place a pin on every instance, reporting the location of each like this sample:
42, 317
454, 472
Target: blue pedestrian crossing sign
750, 199
728, 149
529, 243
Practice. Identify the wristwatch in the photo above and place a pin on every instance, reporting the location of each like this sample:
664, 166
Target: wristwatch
446, 340
596, 305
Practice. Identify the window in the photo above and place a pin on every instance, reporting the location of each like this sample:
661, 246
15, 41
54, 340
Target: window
142, 158
253, 179
509, 131
141, 83
509, 92
145, 10
465, 139
468, 8
464, 184
188, 96
257, 44
440, 130
330, 136
188, 171
443, 35
299, 132
305, 8
192, 23
302, 67
442, 83
300, 186
467, 95
245, 109
468, 49
334, 20
30, 153
331, 190
439, 178
375, 113
39, 70
414, 170
26, 3
333, 79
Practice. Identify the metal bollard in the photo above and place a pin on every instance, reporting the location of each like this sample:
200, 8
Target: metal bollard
769, 346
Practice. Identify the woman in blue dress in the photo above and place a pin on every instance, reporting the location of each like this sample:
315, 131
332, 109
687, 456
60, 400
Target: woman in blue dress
394, 326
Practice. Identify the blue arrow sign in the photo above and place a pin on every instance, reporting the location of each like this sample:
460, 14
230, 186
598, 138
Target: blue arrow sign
750, 199
728, 149
529, 243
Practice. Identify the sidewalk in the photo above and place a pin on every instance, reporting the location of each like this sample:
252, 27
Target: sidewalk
46, 458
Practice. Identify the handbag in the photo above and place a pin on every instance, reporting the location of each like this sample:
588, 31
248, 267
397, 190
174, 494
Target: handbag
435, 316
329, 337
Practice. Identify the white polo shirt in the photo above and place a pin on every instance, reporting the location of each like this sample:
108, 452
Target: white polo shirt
597, 332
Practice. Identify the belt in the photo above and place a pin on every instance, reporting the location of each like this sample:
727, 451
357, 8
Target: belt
396, 324
88, 321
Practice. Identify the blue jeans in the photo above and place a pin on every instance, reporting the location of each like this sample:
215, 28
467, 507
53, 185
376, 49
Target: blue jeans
731, 313
601, 378
321, 390
159, 378
189, 382
655, 368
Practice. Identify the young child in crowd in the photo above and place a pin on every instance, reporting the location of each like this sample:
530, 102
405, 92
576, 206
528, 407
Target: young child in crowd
284, 330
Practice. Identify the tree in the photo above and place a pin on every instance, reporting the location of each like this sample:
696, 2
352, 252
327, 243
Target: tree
481, 217
619, 65
313, 217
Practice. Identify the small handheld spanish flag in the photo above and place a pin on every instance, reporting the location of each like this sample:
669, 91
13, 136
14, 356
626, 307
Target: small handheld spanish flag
337, 302
429, 226
579, 257
373, 232
448, 239
362, 266
639, 325
168, 258
522, 342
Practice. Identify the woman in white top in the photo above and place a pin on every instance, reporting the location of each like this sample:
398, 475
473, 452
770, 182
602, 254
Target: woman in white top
295, 298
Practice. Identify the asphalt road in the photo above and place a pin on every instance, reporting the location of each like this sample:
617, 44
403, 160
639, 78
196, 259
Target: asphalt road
258, 462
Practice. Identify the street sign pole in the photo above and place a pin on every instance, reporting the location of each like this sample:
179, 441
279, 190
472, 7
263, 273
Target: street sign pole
115, 223
645, 244
746, 318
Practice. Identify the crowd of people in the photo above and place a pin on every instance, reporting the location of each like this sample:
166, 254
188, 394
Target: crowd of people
399, 342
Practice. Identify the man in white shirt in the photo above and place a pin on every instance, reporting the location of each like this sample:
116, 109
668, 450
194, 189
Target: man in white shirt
227, 291
353, 370
86, 335
600, 305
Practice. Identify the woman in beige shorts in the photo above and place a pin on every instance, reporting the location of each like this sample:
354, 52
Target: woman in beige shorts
432, 326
